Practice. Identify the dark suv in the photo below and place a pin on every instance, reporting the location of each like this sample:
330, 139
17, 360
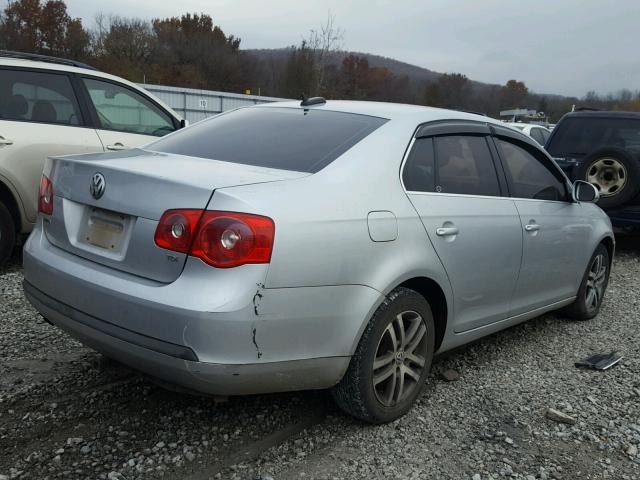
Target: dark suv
603, 148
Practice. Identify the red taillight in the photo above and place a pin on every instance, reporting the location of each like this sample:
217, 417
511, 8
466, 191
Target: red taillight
221, 239
176, 229
45, 196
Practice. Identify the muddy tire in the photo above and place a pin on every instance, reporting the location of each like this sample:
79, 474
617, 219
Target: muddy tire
388, 370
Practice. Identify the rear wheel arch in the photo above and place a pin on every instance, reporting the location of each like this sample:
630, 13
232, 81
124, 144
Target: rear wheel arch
610, 246
435, 297
8, 199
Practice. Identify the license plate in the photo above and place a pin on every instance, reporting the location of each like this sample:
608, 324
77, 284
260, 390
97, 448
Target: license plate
105, 229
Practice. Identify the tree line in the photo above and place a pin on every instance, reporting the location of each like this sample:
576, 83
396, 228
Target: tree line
192, 51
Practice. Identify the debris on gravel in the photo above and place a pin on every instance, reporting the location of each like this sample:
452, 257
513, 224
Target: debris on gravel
450, 375
67, 412
556, 416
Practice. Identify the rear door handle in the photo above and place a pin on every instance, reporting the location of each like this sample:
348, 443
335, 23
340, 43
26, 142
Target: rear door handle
5, 141
116, 146
446, 231
532, 227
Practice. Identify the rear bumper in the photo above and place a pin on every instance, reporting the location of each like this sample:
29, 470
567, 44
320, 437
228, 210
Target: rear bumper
163, 360
224, 336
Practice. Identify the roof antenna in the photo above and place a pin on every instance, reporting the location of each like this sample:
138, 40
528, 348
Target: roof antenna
307, 102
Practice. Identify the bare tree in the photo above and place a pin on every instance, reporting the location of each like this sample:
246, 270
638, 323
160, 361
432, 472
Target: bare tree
323, 42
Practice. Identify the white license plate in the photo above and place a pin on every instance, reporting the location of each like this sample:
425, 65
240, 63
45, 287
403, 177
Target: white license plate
105, 229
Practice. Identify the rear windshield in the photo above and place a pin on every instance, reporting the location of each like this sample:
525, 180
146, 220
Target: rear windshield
582, 136
283, 138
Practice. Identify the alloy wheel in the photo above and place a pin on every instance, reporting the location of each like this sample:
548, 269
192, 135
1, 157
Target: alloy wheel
596, 282
400, 358
608, 175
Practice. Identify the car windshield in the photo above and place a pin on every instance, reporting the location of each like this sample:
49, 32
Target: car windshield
582, 135
284, 138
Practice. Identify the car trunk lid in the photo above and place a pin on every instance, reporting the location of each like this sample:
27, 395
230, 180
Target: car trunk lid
107, 206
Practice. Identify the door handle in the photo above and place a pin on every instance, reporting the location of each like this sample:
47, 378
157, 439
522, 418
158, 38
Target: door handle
446, 231
116, 146
532, 227
5, 141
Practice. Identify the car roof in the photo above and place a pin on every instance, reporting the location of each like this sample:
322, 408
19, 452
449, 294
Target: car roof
63, 67
391, 111
44, 58
603, 114
46, 65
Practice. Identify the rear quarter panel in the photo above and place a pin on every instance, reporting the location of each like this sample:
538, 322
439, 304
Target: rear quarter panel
322, 237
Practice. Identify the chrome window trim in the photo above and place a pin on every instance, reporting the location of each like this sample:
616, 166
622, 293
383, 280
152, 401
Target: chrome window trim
465, 195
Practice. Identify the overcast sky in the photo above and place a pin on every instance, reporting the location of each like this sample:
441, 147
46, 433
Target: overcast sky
554, 46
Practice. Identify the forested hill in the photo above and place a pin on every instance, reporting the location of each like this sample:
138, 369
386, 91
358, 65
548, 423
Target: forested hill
414, 72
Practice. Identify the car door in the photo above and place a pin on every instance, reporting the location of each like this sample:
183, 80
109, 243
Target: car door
40, 116
545, 135
451, 179
124, 117
554, 229
536, 134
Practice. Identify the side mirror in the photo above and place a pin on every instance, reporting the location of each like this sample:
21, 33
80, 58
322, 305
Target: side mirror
585, 192
183, 123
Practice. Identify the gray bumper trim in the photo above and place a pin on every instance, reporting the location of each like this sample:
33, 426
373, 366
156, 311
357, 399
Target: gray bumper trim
43, 302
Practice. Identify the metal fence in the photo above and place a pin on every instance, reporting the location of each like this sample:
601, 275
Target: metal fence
194, 105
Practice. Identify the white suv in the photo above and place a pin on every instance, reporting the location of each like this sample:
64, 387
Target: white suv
51, 106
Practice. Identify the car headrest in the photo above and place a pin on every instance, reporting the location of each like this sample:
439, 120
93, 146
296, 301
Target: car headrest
17, 106
43, 111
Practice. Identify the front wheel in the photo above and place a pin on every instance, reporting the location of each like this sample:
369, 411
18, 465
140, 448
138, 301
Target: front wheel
388, 370
593, 286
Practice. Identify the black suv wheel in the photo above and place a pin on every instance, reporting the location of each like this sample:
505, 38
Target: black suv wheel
614, 172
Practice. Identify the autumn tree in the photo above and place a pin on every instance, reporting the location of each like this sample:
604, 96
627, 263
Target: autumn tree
452, 90
513, 94
45, 28
123, 46
355, 76
194, 52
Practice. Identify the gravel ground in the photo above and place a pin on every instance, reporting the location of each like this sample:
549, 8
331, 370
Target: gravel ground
66, 412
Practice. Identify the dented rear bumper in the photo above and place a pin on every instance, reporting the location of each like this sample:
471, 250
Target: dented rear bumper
216, 331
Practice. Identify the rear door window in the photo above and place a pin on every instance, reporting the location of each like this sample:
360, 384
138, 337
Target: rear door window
583, 135
464, 165
419, 171
529, 176
282, 138
32, 96
124, 110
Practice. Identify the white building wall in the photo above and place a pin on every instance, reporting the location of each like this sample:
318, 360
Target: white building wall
193, 104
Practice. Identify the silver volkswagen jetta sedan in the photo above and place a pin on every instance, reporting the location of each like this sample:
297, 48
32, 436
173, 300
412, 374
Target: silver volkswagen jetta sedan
317, 245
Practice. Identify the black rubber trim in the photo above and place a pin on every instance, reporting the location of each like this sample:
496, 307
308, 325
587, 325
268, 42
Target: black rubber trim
452, 127
150, 343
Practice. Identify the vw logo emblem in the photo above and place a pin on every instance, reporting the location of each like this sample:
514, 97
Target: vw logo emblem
97, 186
